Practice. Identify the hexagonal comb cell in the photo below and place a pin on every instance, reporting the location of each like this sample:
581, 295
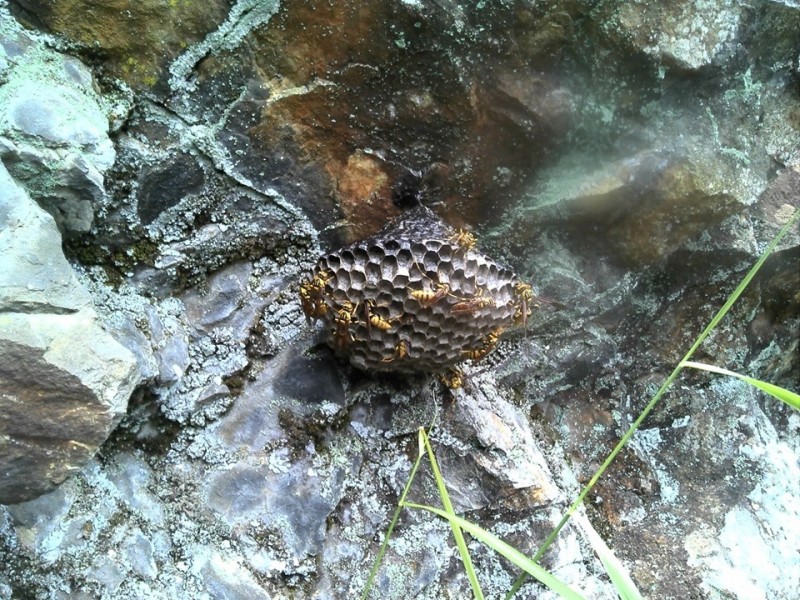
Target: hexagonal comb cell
416, 297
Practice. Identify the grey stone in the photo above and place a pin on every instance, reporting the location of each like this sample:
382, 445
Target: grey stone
107, 572
34, 275
292, 497
253, 423
67, 385
243, 225
39, 523
130, 335
512, 460
226, 579
285, 389
59, 526
184, 360
171, 348
66, 380
224, 300
58, 115
162, 188
281, 496
59, 128
769, 473
133, 482
138, 553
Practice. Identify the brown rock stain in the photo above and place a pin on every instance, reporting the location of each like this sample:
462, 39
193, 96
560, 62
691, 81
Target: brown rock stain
308, 40
377, 79
137, 39
363, 193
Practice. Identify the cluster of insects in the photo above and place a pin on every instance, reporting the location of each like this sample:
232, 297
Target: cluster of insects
311, 298
418, 297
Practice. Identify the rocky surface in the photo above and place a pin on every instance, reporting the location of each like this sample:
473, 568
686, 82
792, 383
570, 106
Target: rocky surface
65, 380
631, 159
53, 130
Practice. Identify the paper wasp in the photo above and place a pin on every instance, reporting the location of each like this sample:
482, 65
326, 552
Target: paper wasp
343, 318
464, 239
311, 298
489, 344
400, 352
373, 319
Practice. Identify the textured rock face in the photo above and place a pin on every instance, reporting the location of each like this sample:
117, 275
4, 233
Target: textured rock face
153, 31
53, 130
630, 159
65, 380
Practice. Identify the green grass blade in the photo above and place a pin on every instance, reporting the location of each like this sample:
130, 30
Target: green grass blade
379, 559
622, 581
778, 392
448, 509
654, 400
512, 554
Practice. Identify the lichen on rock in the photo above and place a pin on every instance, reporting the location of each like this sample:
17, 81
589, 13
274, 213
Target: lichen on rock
629, 158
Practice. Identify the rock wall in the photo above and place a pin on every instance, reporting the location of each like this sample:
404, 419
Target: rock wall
170, 170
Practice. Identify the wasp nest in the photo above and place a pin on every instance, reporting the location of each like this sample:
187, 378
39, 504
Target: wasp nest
416, 297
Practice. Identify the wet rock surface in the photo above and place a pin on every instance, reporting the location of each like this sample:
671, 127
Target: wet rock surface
630, 159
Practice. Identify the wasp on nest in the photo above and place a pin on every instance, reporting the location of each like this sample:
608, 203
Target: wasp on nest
416, 297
